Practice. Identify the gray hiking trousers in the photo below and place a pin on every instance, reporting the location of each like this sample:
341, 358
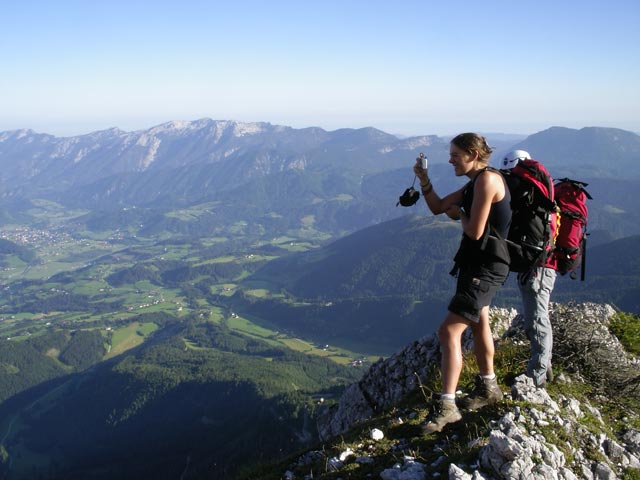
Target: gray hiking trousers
536, 287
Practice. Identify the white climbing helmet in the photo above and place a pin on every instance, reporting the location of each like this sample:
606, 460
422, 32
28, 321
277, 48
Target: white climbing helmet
513, 157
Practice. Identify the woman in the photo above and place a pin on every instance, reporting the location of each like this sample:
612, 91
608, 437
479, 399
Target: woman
482, 205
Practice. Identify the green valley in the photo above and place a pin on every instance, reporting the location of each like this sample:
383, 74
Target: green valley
119, 327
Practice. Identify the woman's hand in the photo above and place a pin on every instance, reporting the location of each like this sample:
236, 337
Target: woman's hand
421, 173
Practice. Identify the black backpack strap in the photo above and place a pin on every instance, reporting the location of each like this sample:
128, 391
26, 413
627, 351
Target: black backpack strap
583, 266
577, 184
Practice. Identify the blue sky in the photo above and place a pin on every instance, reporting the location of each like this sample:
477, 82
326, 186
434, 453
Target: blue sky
405, 67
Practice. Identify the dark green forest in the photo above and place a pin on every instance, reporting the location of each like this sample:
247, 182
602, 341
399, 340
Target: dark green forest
193, 386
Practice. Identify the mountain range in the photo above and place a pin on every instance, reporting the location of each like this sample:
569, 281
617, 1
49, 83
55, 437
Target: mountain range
264, 181
43, 164
270, 264
279, 177
227, 154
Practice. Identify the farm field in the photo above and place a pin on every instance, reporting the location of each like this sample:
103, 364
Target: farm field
71, 286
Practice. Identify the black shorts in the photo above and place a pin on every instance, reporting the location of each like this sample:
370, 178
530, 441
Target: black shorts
476, 288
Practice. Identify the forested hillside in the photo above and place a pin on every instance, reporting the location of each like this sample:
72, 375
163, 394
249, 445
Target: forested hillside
192, 387
350, 290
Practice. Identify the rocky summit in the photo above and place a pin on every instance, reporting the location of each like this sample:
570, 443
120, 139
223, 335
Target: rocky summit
584, 425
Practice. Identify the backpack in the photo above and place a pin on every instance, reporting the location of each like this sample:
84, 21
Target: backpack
530, 237
571, 238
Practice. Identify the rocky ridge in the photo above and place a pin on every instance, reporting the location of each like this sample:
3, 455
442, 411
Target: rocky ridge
586, 425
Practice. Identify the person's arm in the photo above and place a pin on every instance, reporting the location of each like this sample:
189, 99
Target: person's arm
436, 204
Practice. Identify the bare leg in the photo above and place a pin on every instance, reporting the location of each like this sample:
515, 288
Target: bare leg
450, 335
483, 347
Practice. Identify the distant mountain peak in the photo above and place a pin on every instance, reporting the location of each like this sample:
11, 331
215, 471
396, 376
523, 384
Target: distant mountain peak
175, 126
241, 129
106, 133
16, 134
235, 128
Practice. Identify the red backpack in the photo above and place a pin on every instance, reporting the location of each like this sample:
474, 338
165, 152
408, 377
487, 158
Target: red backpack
571, 237
530, 237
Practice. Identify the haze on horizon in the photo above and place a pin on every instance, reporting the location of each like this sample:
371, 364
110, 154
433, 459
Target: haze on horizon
409, 67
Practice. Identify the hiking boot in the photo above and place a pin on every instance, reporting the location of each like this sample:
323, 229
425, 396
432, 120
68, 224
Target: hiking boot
548, 378
445, 412
485, 392
549, 374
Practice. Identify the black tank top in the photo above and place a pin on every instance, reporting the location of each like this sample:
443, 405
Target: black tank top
488, 250
500, 212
